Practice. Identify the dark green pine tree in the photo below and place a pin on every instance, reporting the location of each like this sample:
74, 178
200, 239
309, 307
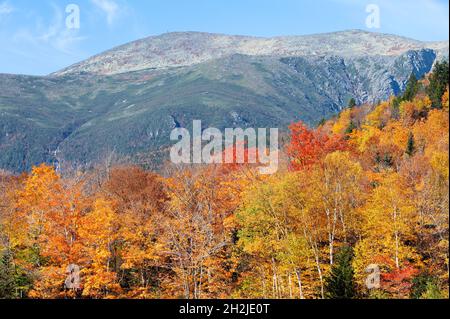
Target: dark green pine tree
419, 284
14, 282
412, 88
438, 84
350, 128
322, 122
411, 145
341, 284
7, 280
395, 108
352, 103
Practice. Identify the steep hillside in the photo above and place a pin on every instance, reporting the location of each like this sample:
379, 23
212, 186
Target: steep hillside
82, 113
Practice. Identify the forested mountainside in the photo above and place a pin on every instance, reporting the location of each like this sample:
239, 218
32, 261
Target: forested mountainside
369, 187
127, 101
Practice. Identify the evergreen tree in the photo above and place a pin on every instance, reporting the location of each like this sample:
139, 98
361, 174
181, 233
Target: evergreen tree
411, 146
412, 87
7, 280
395, 109
351, 127
322, 122
425, 286
438, 84
341, 284
14, 282
352, 103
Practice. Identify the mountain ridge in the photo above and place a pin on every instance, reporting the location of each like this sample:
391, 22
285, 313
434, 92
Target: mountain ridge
179, 49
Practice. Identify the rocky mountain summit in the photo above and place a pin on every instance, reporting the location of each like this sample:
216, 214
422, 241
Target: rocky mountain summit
189, 48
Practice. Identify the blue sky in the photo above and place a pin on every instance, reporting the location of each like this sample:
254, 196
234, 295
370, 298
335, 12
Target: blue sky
34, 38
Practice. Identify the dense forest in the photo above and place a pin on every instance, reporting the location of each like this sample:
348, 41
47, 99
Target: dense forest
369, 187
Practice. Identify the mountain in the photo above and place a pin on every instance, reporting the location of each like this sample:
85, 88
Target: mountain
190, 48
129, 99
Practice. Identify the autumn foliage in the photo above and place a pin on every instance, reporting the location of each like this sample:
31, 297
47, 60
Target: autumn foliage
373, 181
308, 146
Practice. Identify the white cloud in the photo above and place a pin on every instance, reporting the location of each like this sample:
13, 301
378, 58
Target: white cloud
5, 8
54, 35
109, 7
